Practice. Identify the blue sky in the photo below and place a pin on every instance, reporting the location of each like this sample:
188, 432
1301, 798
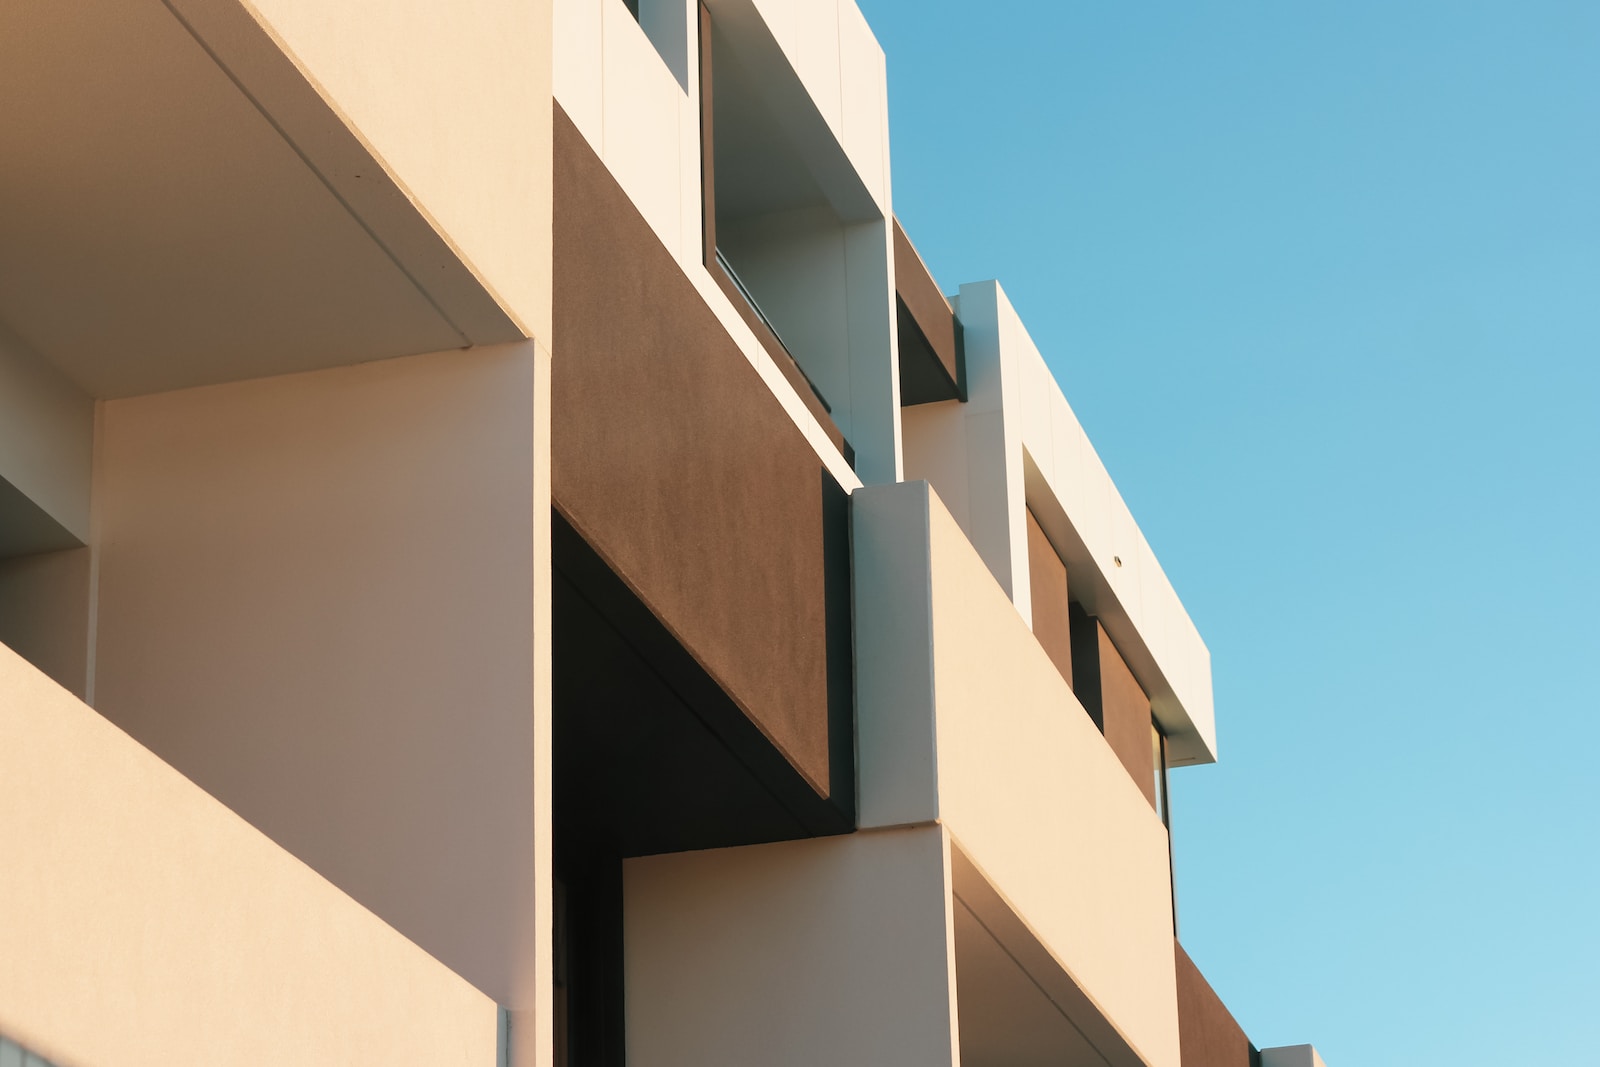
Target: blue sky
1322, 281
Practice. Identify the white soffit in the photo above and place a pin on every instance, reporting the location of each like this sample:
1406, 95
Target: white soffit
1004, 1015
158, 230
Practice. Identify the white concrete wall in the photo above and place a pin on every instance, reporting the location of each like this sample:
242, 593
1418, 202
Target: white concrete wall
141, 922
46, 435
970, 452
1017, 444
324, 598
1291, 1056
824, 285
1018, 773
835, 950
630, 105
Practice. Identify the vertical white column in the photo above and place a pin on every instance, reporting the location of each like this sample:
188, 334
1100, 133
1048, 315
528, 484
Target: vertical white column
971, 453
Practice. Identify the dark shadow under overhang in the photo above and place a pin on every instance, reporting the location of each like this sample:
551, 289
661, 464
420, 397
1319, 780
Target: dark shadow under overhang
651, 755
933, 363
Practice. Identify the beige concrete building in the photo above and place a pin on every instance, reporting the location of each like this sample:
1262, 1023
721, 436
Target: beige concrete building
507, 556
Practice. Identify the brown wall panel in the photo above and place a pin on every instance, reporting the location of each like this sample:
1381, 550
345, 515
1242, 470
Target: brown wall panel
1113, 698
1126, 722
673, 460
1208, 1035
1047, 580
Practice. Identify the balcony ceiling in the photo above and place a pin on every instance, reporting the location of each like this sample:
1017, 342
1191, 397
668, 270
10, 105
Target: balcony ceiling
158, 231
1006, 1020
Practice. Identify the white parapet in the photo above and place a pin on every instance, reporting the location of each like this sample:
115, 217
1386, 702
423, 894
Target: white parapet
963, 718
1291, 1056
141, 922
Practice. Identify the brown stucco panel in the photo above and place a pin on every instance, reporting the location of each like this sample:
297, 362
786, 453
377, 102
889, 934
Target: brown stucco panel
1047, 581
1126, 712
1208, 1035
676, 463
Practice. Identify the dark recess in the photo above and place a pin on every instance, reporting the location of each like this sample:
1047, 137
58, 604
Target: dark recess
933, 363
1086, 663
590, 1029
650, 754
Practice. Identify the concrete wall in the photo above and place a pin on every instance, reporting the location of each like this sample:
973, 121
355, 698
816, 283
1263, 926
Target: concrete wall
835, 950
824, 285
1291, 1056
977, 728
141, 922
321, 599
965, 451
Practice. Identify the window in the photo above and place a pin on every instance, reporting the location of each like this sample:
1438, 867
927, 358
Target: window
779, 239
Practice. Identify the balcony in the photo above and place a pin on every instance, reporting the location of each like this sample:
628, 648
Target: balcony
142, 922
1059, 867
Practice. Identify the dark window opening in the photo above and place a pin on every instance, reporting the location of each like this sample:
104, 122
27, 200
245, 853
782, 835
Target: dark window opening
1158, 747
1158, 741
587, 948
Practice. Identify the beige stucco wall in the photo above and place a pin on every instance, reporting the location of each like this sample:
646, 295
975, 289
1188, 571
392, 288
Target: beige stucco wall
976, 728
141, 922
322, 597
835, 950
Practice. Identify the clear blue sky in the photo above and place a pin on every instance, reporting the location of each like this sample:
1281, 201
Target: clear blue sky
1322, 281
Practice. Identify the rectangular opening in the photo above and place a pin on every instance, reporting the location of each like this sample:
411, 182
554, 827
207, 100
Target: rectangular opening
771, 240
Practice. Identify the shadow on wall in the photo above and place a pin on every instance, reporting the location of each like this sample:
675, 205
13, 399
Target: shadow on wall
14, 1055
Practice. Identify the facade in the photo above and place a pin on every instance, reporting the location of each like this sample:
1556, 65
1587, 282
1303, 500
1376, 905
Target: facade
508, 556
